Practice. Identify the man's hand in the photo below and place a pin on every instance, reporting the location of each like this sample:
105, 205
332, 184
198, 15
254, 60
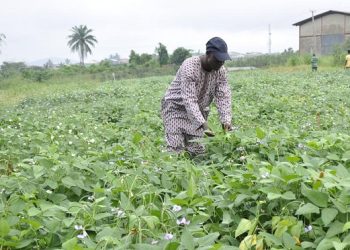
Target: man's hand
227, 127
207, 130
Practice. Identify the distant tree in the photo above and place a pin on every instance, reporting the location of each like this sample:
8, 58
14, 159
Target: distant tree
179, 55
115, 57
144, 58
11, 68
80, 40
134, 58
66, 61
2, 38
163, 56
49, 64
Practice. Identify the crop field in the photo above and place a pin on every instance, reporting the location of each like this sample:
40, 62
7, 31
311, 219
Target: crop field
87, 168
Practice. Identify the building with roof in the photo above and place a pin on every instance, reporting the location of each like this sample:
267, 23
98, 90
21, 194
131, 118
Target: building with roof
319, 34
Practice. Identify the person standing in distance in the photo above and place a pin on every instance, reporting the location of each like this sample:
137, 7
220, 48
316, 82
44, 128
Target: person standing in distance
314, 61
185, 106
347, 60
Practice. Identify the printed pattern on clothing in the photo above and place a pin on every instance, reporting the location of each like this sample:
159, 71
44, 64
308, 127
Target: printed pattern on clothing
191, 93
183, 142
185, 106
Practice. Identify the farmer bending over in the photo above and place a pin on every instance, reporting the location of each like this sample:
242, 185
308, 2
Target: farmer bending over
185, 106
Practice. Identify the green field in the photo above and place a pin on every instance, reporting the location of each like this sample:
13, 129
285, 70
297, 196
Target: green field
83, 166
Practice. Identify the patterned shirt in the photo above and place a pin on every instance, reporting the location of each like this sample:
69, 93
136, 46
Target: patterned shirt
314, 61
347, 58
190, 94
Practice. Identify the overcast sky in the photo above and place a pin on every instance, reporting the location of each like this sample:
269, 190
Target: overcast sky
38, 29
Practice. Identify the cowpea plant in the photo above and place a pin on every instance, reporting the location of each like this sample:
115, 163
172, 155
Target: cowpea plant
89, 169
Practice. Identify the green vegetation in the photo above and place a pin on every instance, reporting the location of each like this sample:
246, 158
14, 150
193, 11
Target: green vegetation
83, 166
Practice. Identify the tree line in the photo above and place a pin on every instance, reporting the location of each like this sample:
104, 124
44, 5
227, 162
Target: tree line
81, 40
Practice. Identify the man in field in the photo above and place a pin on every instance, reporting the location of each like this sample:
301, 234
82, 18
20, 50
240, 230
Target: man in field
314, 61
347, 60
185, 106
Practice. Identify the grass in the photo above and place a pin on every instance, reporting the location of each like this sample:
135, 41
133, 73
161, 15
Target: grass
16, 89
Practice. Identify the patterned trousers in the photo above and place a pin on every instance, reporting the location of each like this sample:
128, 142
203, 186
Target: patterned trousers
177, 142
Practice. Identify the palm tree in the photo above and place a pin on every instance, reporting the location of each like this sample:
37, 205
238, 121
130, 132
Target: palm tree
2, 37
81, 40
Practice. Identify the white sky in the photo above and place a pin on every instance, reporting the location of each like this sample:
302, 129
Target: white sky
38, 29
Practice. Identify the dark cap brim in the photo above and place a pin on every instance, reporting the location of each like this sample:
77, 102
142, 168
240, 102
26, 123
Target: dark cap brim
222, 56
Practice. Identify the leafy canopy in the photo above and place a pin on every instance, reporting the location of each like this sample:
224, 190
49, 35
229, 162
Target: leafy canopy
81, 41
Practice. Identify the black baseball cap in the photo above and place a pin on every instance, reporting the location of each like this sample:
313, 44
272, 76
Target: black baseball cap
219, 48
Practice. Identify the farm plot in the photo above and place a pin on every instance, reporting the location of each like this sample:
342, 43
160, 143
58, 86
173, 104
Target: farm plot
88, 170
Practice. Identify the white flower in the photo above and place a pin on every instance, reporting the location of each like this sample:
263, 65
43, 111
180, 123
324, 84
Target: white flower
242, 158
91, 198
49, 191
176, 208
265, 175
82, 235
308, 228
183, 221
70, 142
168, 236
154, 242
240, 149
119, 212
78, 227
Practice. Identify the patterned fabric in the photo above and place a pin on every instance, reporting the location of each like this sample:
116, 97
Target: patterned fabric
314, 61
185, 106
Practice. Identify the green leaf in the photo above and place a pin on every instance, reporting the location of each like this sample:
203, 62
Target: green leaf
308, 209
226, 217
146, 247
307, 244
293, 159
340, 246
137, 137
192, 187
207, 240
24, 243
260, 133
243, 226
172, 245
38, 171
335, 228
327, 243
4, 228
33, 211
102, 216
346, 226
318, 198
69, 182
328, 215
151, 221
70, 244
187, 240
288, 241
272, 196
288, 196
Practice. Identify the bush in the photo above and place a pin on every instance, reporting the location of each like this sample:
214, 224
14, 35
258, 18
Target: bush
36, 74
